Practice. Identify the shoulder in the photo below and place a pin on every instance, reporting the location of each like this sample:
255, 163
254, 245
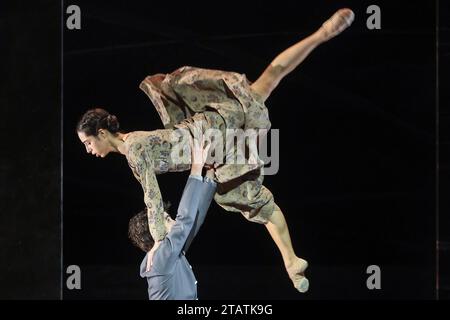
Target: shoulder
164, 258
137, 139
136, 144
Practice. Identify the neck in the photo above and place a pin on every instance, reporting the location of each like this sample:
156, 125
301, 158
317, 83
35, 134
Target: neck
117, 142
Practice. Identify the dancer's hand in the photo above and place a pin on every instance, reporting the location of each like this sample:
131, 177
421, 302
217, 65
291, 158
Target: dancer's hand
211, 170
210, 173
200, 150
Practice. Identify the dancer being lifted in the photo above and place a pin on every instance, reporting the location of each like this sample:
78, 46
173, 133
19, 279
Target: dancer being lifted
219, 100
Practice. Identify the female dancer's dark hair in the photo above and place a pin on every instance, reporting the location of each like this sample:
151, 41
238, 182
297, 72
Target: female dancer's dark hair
95, 119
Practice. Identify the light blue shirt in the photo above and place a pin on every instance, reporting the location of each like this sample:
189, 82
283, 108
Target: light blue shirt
171, 276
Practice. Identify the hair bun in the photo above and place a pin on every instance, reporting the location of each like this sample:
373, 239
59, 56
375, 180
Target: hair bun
113, 123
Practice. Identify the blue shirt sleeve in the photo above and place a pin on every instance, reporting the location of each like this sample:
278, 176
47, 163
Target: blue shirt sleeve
207, 193
196, 177
172, 245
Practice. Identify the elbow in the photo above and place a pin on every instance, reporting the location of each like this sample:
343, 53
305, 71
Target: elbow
183, 214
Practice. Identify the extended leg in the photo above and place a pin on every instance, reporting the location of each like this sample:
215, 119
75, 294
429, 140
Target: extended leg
290, 58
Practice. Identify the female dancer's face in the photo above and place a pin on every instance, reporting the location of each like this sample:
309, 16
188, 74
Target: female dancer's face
98, 145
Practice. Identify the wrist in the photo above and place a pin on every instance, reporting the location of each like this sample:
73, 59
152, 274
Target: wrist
196, 170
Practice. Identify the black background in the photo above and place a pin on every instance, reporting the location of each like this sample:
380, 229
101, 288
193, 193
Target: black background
30, 104
357, 147
357, 133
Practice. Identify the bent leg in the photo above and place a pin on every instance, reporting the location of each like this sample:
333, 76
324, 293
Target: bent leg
295, 266
255, 202
279, 231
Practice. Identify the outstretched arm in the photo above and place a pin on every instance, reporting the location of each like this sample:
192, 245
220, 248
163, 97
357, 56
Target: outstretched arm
187, 216
209, 187
142, 167
154, 204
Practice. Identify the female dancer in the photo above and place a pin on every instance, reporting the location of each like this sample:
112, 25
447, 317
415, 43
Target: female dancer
220, 100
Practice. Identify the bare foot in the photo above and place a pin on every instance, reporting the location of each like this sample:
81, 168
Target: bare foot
339, 21
296, 271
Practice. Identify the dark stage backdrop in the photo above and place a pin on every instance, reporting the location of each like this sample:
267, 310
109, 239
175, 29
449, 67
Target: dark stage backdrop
30, 215
444, 154
357, 146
